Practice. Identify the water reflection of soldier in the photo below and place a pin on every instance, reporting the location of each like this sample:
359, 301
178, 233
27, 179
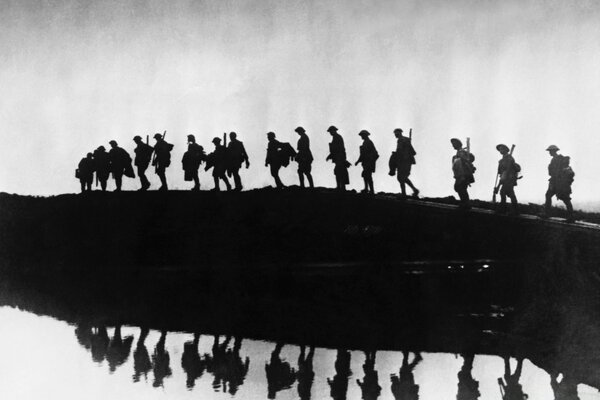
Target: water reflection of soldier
85, 173
217, 160
141, 359
118, 349
120, 164
160, 361
191, 362
304, 157
191, 161
368, 158
236, 156
403, 384
102, 165
463, 170
401, 162
370, 385
279, 373
273, 160
468, 388
511, 388
236, 368
337, 154
100, 342
305, 373
566, 389
559, 185
162, 159
339, 384
84, 333
143, 155
508, 170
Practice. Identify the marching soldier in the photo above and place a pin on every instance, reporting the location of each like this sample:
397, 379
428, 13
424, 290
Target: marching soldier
162, 159
402, 161
304, 157
217, 160
337, 154
120, 163
143, 155
508, 171
85, 173
191, 161
368, 157
273, 160
463, 169
102, 165
236, 154
561, 179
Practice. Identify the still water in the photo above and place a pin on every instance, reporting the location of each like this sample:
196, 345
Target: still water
45, 358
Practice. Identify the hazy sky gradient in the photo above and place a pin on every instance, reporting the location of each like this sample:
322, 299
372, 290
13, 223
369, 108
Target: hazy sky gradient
76, 74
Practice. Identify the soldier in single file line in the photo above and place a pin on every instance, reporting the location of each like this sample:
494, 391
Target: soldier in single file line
401, 162
508, 173
217, 160
162, 159
143, 155
85, 173
304, 157
236, 156
120, 164
559, 184
191, 161
463, 170
368, 158
102, 166
337, 154
273, 160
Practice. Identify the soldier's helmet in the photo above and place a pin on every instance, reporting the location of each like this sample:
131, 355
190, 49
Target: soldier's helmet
456, 142
157, 136
398, 130
112, 143
89, 155
364, 133
501, 147
232, 135
191, 138
552, 148
101, 148
271, 135
216, 140
299, 130
332, 128
137, 138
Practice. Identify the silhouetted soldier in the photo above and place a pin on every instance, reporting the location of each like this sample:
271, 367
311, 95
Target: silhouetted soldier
236, 156
161, 361
191, 161
85, 173
305, 373
236, 368
337, 154
403, 384
102, 165
120, 163
463, 169
279, 373
273, 159
141, 359
100, 342
339, 384
370, 385
559, 185
118, 350
566, 389
191, 362
508, 170
217, 160
468, 388
162, 159
511, 387
304, 157
401, 162
368, 158
143, 155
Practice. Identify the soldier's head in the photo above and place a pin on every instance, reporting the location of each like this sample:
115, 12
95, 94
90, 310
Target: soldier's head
232, 135
101, 149
456, 143
552, 149
216, 141
113, 144
364, 134
157, 136
191, 139
89, 155
398, 132
271, 136
502, 148
300, 130
332, 130
137, 138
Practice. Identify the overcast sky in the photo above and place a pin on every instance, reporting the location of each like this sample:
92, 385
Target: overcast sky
76, 74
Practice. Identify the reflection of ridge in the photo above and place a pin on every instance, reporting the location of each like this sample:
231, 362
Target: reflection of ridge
280, 375
339, 384
191, 362
226, 365
160, 361
403, 384
141, 359
510, 388
370, 384
566, 389
305, 373
468, 388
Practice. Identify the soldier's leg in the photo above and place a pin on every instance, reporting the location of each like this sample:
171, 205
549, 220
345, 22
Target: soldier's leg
548, 203
402, 181
413, 188
371, 188
301, 178
196, 181
82, 183
216, 179
118, 181
224, 177
569, 206
310, 180
103, 184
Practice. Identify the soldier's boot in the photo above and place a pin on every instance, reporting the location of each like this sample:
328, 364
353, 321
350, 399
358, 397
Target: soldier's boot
238, 182
227, 184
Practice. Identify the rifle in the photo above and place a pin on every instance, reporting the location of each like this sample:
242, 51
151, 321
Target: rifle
496, 184
225, 139
410, 134
147, 139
